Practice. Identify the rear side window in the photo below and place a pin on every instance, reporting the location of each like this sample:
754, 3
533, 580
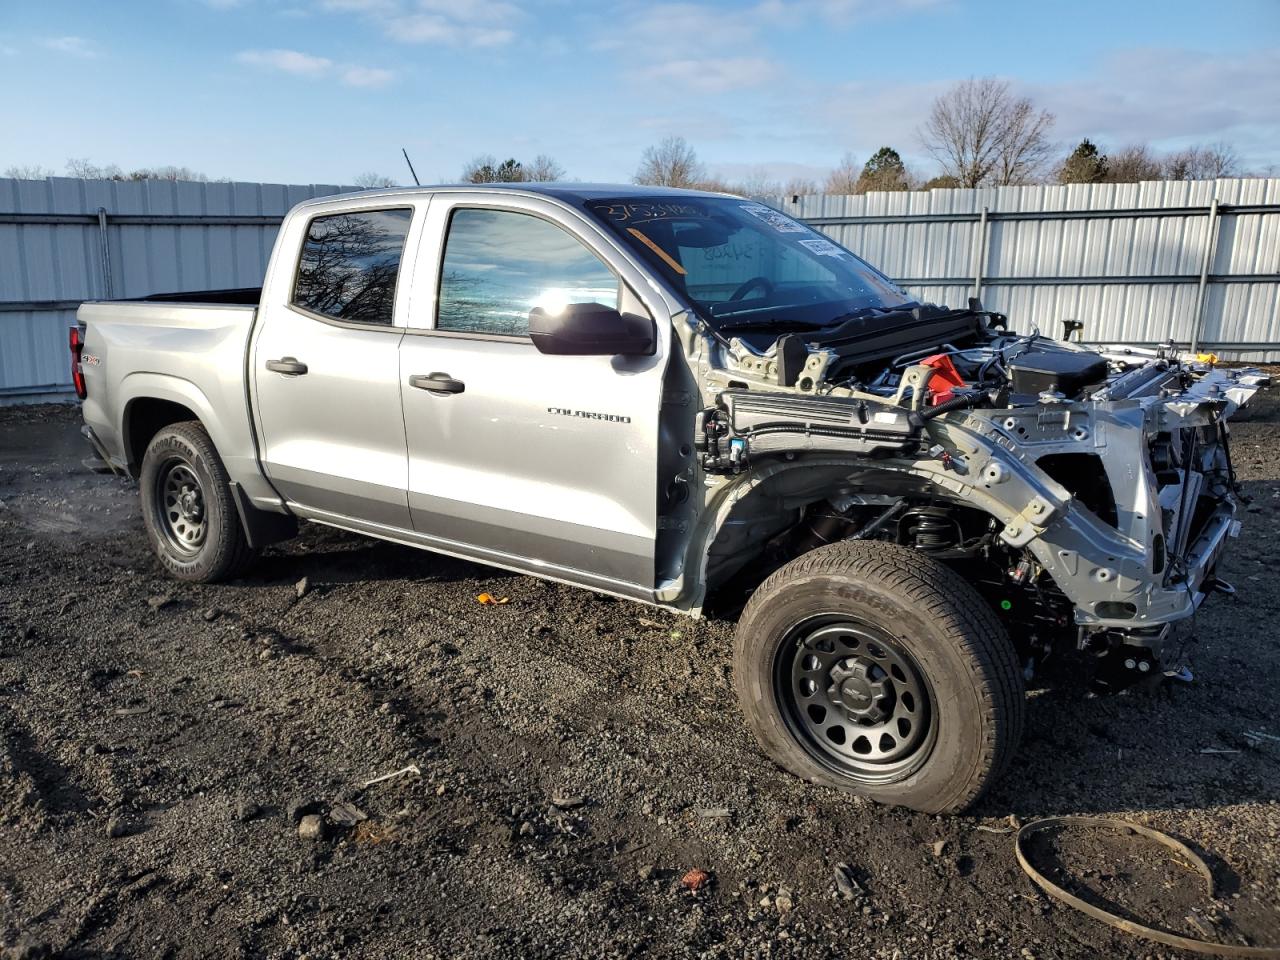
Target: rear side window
499, 265
349, 265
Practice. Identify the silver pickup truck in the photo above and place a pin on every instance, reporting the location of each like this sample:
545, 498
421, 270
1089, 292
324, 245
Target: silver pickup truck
686, 398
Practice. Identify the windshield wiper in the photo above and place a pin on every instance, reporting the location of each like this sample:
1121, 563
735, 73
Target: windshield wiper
779, 325
879, 312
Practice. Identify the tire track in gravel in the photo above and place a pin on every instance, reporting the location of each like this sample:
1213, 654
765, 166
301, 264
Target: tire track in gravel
500, 716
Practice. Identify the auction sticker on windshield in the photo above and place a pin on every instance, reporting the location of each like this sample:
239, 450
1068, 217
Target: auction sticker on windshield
779, 221
823, 248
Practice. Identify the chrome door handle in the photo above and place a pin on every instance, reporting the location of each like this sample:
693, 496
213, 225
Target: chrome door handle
440, 384
287, 365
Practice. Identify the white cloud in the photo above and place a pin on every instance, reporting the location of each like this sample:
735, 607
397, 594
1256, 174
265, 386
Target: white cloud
710, 75
287, 61
680, 30
360, 6
472, 11
366, 76
840, 12
300, 64
1162, 94
461, 23
72, 46
433, 28
1164, 97
777, 170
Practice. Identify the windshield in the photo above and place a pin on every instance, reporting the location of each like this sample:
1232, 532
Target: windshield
742, 264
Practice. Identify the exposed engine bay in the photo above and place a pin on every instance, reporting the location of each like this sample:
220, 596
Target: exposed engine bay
1087, 493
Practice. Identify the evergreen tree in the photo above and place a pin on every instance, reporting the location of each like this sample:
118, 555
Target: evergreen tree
884, 171
1084, 165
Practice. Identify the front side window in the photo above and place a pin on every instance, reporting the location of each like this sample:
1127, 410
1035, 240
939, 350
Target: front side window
499, 265
349, 265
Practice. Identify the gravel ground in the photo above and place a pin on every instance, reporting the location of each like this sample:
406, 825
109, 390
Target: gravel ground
573, 756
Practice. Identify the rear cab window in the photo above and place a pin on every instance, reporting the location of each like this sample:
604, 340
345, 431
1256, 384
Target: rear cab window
500, 264
350, 265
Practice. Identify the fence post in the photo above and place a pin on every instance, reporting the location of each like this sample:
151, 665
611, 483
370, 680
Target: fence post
980, 254
106, 253
1210, 252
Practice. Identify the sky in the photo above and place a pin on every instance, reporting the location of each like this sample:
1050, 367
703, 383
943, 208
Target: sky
319, 91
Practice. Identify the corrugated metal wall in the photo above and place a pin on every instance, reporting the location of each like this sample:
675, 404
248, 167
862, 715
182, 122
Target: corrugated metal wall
1125, 259
160, 236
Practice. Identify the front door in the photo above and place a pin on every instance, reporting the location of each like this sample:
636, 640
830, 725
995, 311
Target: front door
326, 371
540, 462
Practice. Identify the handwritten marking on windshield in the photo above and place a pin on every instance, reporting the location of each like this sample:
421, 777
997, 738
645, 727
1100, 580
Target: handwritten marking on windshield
670, 261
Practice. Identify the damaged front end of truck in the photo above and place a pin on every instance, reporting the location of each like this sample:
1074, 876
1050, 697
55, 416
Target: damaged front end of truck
1088, 494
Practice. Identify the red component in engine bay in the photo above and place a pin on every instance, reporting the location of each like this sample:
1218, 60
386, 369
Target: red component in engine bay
945, 377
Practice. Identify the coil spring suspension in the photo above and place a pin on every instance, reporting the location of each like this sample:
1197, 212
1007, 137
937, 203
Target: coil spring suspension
928, 529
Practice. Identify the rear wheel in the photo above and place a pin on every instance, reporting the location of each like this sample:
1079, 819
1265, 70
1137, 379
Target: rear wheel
187, 506
869, 667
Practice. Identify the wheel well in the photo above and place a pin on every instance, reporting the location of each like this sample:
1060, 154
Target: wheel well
144, 418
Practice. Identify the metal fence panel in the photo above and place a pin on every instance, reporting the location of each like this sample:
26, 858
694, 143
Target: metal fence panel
1126, 259
52, 255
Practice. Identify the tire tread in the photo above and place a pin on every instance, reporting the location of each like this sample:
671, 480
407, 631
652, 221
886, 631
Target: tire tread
231, 551
944, 597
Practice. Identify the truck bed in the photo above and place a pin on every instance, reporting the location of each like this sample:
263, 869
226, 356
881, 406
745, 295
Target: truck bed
162, 349
242, 296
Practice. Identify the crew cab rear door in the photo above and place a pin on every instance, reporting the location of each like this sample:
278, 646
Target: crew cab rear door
325, 360
539, 462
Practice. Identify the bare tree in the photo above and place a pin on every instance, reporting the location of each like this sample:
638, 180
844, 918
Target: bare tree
1024, 145
82, 168
1133, 164
980, 133
167, 173
371, 181
843, 179
486, 169
942, 182
757, 183
715, 184
1202, 162
671, 163
28, 171
799, 186
544, 169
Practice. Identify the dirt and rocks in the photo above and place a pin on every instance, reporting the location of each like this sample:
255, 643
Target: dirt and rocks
345, 755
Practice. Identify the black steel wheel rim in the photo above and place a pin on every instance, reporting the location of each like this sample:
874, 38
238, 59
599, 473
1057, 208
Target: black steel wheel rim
855, 698
180, 503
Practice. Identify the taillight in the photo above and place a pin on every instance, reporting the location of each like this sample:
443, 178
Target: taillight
77, 371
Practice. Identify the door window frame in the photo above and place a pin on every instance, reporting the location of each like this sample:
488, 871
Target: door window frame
444, 250
429, 264
282, 270
401, 271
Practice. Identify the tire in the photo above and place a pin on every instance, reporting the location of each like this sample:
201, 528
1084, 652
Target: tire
187, 506
871, 668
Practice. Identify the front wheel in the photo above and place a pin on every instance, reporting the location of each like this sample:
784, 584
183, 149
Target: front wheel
869, 667
187, 506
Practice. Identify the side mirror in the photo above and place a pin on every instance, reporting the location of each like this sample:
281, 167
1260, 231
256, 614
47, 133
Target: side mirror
591, 330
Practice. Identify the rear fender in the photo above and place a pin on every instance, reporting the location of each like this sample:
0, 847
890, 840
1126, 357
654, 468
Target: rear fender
230, 433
